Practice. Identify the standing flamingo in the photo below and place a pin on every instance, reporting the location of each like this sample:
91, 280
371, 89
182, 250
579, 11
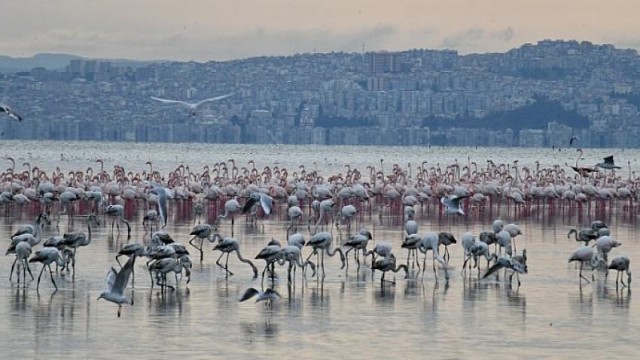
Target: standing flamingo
322, 241
585, 254
76, 239
621, 264
231, 207
389, 264
116, 212
228, 245
23, 251
46, 256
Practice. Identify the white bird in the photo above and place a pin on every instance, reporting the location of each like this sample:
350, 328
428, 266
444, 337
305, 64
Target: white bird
192, 106
6, 109
268, 296
116, 283
452, 204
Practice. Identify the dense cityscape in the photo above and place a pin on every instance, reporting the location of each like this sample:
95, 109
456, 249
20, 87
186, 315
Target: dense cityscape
536, 95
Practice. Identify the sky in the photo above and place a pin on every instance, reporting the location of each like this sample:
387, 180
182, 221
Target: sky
205, 30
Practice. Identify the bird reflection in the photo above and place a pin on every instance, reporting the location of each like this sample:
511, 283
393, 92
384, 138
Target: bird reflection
171, 303
619, 296
19, 298
266, 328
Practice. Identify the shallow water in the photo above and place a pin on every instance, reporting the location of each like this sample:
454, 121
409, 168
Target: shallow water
347, 315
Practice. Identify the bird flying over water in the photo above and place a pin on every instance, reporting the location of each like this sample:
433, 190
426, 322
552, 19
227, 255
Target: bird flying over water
268, 296
608, 163
573, 139
452, 204
192, 106
116, 284
6, 109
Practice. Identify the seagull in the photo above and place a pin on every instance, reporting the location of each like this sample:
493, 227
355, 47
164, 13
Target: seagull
192, 106
116, 283
266, 202
608, 163
573, 139
452, 204
268, 296
6, 109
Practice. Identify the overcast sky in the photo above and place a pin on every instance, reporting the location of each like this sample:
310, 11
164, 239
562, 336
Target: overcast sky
205, 30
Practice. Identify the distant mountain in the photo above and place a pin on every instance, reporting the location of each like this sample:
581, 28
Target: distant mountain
55, 62
48, 61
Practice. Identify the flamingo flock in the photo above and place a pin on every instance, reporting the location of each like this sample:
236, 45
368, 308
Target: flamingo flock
224, 193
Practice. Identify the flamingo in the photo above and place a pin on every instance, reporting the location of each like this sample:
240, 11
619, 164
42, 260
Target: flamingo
76, 239
389, 264
585, 254
585, 235
446, 239
46, 256
170, 264
322, 241
292, 253
430, 241
116, 211
621, 264
604, 245
270, 255
231, 207
202, 232
116, 283
228, 245
357, 242
23, 251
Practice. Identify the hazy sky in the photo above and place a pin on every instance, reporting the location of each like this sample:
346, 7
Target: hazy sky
205, 30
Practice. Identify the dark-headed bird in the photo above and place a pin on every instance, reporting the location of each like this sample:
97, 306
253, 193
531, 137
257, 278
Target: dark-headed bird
12, 114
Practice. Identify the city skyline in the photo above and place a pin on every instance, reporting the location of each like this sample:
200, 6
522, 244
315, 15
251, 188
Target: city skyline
212, 30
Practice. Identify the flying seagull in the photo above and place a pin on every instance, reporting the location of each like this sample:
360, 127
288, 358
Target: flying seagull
452, 204
573, 139
608, 163
192, 106
268, 296
116, 284
6, 109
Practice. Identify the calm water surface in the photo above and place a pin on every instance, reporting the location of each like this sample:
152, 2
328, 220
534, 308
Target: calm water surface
345, 316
